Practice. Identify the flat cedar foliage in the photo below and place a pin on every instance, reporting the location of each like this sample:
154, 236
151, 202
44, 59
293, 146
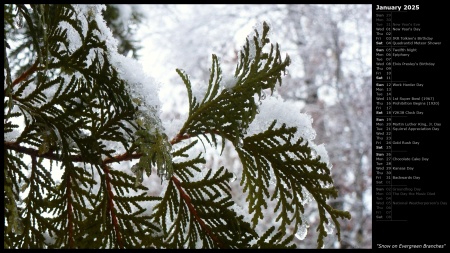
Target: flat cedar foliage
78, 110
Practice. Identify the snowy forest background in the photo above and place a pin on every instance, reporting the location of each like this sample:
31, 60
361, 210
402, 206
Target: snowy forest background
330, 78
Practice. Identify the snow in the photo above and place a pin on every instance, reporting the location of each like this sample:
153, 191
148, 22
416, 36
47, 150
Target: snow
82, 11
129, 69
172, 126
73, 37
94, 12
322, 152
49, 240
289, 113
199, 90
141, 84
252, 47
229, 82
276, 108
19, 121
329, 227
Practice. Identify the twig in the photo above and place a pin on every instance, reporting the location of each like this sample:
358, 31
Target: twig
25, 74
188, 202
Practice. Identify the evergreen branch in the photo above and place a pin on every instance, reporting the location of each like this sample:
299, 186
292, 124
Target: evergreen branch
111, 206
212, 199
295, 169
79, 103
8, 90
70, 202
13, 166
214, 80
207, 202
192, 100
192, 210
33, 30
229, 112
269, 240
74, 158
25, 221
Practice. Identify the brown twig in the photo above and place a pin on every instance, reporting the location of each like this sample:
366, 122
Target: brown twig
122, 157
25, 74
35, 153
75, 158
180, 137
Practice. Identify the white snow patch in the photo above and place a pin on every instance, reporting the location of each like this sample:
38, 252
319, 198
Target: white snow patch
276, 108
